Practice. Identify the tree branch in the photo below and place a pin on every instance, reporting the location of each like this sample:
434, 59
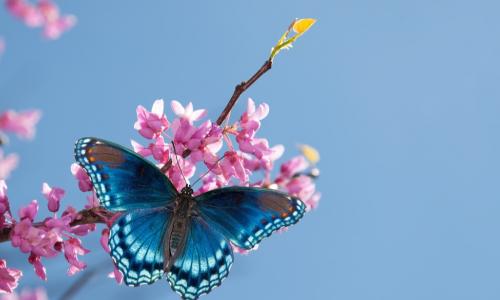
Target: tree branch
95, 215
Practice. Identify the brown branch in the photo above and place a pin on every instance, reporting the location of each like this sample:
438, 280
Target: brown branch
94, 215
86, 216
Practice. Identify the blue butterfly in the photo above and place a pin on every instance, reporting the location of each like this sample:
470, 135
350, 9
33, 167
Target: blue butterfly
162, 231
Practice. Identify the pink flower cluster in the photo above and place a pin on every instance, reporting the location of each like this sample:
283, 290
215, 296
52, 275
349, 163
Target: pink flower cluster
46, 239
237, 165
245, 153
45, 13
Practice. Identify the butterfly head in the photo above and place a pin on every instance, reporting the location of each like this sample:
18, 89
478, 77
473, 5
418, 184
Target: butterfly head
187, 190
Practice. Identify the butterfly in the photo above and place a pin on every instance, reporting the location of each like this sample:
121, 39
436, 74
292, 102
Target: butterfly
163, 231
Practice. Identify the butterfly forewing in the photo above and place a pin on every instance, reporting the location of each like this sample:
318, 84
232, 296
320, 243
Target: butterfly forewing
246, 215
122, 179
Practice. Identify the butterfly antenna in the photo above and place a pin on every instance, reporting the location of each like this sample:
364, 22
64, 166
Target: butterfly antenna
178, 165
209, 170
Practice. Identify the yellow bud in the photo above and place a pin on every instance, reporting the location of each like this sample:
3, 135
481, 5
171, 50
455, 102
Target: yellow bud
311, 154
303, 25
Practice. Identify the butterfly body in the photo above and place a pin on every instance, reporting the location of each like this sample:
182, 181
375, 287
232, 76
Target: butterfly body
165, 232
177, 232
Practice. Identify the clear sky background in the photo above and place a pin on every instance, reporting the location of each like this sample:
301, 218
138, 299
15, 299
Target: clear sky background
401, 97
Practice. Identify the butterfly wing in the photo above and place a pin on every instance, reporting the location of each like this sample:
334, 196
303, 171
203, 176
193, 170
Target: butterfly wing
136, 243
122, 179
205, 261
246, 215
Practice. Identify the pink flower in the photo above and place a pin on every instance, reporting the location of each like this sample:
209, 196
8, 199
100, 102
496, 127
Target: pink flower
104, 240
159, 150
83, 179
28, 13
204, 142
250, 120
292, 167
242, 251
187, 113
21, 123
211, 182
37, 264
232, 165
7, 164
72, 248
29, 212
53, 195
9, 278
117, 275
4, 204
175, 175
37, 240
151, 124
55, 24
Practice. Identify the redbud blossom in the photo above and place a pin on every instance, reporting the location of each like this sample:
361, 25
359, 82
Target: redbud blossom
9, 278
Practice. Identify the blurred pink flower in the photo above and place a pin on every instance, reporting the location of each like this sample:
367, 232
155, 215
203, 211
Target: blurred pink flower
7, 164
2, 46
53, 195
27, 294
9, 278
20, 123
45, 14
55, 24
151, 124
79, 173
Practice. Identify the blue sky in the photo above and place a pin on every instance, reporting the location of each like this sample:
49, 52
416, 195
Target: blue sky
400, 97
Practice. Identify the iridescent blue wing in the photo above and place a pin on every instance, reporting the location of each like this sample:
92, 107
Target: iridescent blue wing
122, 179
136, 243
246, 215
204, 262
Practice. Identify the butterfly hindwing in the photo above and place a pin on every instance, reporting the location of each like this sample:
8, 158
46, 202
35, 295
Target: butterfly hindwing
122, 179
204, 262
246, 215
136, 243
